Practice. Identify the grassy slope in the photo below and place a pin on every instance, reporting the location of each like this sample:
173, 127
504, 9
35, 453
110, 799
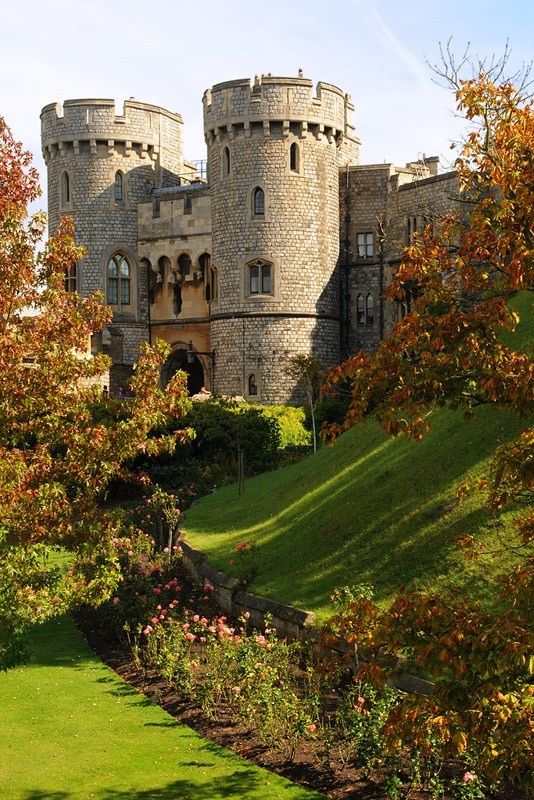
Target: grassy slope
72, 730
369, 510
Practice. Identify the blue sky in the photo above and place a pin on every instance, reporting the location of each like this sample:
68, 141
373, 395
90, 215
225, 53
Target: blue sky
168, 52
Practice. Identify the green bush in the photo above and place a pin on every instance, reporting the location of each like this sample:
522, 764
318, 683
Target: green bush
291, 422
222, 427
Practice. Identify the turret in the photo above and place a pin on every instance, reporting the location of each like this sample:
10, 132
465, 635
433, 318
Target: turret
100, 165
274, 151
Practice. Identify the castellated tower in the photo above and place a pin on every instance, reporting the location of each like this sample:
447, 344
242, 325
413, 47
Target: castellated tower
274, 153
100, 165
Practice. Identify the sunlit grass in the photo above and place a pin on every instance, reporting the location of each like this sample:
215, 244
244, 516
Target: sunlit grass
369, 510
72, 730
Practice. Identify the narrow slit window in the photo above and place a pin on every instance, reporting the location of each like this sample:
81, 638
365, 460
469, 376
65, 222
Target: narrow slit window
294, 160
258, 202
369, 310
360, 310
65, 188
71, 278
118, 187
226, 161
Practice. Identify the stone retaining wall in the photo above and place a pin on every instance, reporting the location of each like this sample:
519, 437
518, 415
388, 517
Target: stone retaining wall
288, 621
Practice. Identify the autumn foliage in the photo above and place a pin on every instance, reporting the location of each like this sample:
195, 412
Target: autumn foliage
451, 350
58, 450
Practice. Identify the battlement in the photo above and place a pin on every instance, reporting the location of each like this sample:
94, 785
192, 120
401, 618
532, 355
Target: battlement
231, 107
94, 120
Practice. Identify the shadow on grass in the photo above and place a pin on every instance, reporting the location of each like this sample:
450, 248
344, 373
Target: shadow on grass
240, 783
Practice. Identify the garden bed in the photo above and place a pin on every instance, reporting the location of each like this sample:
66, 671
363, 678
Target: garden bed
336, 781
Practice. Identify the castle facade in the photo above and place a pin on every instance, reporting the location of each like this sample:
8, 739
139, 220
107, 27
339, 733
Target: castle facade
279, 244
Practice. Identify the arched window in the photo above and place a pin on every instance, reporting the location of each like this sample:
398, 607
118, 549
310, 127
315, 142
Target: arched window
360, 310
118, 281
65, 189
294, 159
259, 278
369, 310
258, 202
71, 278
226, 161
118, 187
252, 385
184, 265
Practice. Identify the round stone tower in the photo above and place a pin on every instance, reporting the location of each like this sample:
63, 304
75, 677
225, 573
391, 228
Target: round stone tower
274, 152
100, 165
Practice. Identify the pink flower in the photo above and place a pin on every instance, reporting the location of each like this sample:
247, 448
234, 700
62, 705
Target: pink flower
155, 620
190, 636
166, 550
247, 614
261, 640
196, 618
148, 630
116, 601
236, 689
312, 727
468, 777
208, 587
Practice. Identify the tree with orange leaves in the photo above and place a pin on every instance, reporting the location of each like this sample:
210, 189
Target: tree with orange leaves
450, 351
58, 451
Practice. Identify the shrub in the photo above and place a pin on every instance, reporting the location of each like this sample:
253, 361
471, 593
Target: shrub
291, 424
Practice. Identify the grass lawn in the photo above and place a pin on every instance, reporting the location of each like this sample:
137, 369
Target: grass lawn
369, 510
71, 730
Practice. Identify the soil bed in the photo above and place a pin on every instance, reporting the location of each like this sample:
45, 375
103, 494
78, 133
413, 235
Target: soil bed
337, 781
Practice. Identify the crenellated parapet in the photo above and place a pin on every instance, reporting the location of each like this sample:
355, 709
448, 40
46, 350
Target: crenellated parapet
245, 107
92, 125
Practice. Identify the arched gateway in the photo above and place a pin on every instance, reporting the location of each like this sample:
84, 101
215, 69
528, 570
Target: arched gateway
178, 360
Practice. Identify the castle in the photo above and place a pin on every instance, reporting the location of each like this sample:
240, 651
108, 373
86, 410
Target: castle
279, 244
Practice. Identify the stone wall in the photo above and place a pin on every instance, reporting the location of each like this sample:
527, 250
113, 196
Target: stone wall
85, 145
276, 137
288, 621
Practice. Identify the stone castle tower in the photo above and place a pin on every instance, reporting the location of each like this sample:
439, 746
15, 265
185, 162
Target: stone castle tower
100, 166
283, 248
274, 155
